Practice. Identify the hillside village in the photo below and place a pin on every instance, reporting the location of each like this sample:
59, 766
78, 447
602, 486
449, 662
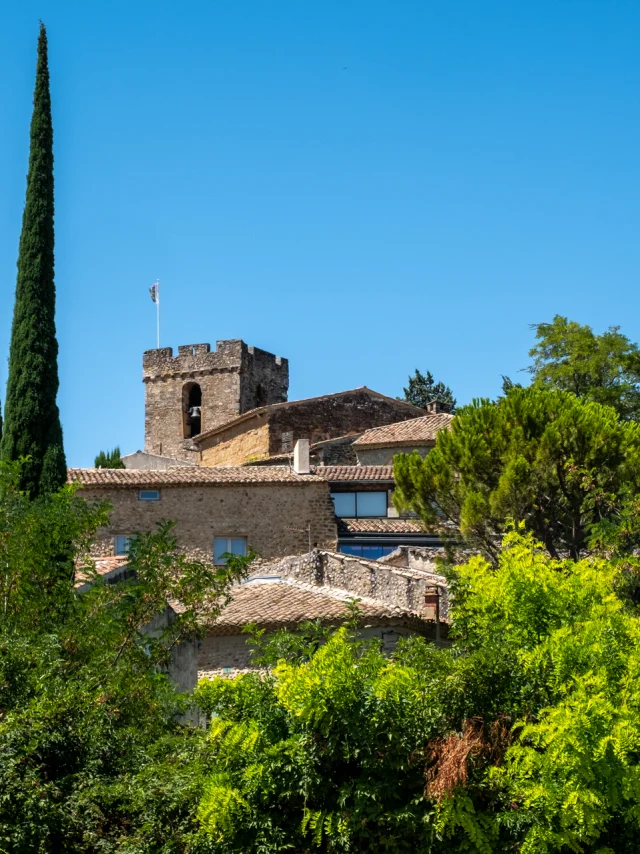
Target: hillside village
305, 484
351, 623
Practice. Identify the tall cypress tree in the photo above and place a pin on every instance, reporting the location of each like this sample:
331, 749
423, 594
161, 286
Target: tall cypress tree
31, 418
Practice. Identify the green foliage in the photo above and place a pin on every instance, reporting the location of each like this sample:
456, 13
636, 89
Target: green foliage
522, 736
602, 368
423, 389
530, 457
109, 459
93, 756
32, 422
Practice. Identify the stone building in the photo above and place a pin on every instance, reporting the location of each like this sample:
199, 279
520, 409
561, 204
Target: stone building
273, 429
272, 510
197, 390
379, 445
393, 601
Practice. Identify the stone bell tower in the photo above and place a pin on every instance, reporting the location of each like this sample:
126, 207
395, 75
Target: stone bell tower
188, 394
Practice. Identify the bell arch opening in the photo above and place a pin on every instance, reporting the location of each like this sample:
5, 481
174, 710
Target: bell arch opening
191, 410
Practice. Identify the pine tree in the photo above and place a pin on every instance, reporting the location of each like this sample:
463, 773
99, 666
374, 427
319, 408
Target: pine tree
31, 419
423, 390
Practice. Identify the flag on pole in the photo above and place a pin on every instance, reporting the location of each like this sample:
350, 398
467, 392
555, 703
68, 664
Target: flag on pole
155, 292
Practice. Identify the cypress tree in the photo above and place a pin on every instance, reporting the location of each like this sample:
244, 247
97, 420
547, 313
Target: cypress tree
31, 418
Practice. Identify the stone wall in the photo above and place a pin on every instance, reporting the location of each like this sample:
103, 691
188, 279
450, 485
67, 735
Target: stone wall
384, 456
403, 587
333, 416
340, 417
242, 446
231, 654
272, 516
233, 379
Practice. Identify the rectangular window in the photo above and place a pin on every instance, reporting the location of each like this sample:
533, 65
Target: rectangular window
368, 552
149, 495
345, 504
230, 545
121, 544
371, 504
353, 505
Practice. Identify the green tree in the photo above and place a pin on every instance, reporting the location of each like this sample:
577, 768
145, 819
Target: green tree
523, 458
32, 422
603, 368
93, 757
524, 735
423, 389
109, 459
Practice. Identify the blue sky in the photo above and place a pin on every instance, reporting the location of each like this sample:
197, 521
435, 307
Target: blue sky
362, 187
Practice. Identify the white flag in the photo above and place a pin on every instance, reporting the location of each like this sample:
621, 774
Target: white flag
155, 292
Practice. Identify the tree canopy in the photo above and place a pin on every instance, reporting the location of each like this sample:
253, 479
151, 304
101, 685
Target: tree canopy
522, 736
31, 419
92, 751
528, 457
603, 368
109, 459
423, 389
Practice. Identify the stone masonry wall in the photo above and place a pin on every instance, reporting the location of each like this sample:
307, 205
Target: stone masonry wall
246, 445
404, 588
333, 416
384, 456
231, 654
233, 379
272, 516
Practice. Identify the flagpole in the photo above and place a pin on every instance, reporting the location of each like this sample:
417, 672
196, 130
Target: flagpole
158, 311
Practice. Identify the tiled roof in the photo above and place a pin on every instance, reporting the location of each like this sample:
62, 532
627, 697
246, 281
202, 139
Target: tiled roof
185, 476
275, 602
421, 431
380, 526
101, 566
289, 403
354, 473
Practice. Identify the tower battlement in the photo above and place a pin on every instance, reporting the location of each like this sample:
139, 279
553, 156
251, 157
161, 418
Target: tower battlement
200, 388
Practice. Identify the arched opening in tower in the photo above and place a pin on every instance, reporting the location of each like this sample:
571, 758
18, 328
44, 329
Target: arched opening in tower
192, 410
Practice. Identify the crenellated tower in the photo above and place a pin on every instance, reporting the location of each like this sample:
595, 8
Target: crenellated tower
199, 389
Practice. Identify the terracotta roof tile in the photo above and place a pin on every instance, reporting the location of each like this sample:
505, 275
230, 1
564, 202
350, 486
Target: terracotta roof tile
380, 526
421, 431
101, 566
354, 473
275, 602
185, 476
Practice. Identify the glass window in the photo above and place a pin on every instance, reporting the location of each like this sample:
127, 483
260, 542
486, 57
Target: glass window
122, 543
372, 552
345, 504
372, 504
356, 551
224, 545
149, 495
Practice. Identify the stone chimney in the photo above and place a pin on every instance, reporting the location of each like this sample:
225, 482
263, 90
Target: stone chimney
435, 406
301, 457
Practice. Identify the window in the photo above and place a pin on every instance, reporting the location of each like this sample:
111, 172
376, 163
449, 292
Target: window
368, 552
121, 544
360, 504
345, 504
230, 545
149, 495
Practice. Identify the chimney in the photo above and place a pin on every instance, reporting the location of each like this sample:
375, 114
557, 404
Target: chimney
435, 406
301, 457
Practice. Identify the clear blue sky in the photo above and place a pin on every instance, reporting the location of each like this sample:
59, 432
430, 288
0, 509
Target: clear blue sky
475, 168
